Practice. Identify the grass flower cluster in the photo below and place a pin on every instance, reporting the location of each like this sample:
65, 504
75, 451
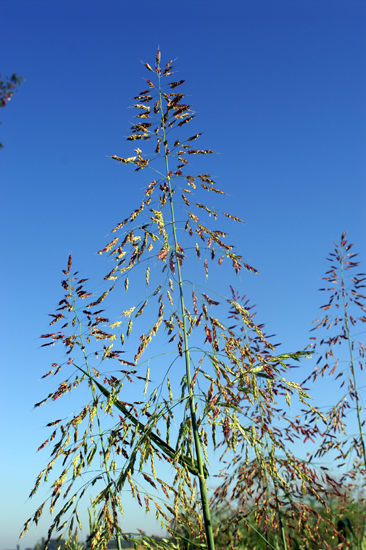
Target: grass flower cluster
218, 387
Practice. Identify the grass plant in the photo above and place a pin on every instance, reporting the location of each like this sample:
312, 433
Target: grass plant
270, 495
215, 387
342, 359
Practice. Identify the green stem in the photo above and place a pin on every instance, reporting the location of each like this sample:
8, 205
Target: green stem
282, 530
352, 361
191, 401
278, 509
358, 412
147, 431
96, 411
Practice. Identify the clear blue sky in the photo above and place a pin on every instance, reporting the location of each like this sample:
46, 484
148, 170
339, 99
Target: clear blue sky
279, 88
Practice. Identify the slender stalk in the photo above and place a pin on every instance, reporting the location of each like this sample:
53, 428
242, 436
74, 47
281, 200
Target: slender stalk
145, 429
279, 514
266, 474
191, 400
346, 317
350, 347
118, 538
347, 297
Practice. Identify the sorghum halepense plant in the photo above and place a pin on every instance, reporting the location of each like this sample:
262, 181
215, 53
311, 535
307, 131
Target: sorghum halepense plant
341, 350
191, 385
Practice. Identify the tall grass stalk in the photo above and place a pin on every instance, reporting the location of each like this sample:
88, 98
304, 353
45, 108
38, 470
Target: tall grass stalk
197, 384
186, 351
343, 359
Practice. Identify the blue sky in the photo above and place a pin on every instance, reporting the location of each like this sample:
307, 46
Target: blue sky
279, 89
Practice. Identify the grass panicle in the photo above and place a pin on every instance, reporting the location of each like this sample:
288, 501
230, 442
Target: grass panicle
165, 376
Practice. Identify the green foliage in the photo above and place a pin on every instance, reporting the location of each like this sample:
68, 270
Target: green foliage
73, 543
247, 534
